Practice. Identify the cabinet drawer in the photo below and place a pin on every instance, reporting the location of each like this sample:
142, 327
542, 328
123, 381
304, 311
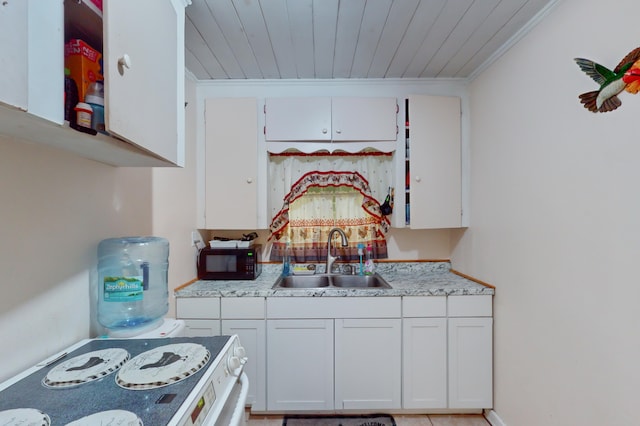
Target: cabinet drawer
334, 307
424, 306
201, 327
198, 307
242, 307
470, 306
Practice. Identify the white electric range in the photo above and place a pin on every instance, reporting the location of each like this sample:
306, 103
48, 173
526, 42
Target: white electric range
166, 381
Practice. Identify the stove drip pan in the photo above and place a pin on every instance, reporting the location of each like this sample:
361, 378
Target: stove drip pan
163, 366
86, 368
24, 416
111, 417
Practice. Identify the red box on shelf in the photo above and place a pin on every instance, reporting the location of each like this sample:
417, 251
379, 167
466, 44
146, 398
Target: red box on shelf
84, 63
97, 3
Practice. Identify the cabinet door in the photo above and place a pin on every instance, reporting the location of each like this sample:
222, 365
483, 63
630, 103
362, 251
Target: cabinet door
13, 55
231, 164
435, 162
470, 363
300, 364
32, 60
252, 334
364, 119
368, 364
144, 95
298, 119
424, 366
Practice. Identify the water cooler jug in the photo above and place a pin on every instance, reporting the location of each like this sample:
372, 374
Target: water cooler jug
132, 284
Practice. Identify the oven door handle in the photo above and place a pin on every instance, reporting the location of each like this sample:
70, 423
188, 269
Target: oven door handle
238, 412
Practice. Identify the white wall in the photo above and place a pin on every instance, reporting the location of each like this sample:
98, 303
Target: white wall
54, 210
555, 222
174, 206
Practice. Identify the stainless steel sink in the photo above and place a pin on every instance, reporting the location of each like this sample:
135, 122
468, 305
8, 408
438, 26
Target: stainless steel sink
302, 281
359, 281
326, 281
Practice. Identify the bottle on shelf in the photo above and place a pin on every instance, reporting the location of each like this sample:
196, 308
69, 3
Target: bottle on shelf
369, 265
95, 98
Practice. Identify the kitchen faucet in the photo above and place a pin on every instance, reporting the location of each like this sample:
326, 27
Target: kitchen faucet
331, 259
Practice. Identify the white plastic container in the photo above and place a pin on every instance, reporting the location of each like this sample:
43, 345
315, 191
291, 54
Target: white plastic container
84, 113
95, 98
132, 283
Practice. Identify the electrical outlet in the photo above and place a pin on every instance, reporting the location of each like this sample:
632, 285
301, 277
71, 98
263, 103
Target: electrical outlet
196, 240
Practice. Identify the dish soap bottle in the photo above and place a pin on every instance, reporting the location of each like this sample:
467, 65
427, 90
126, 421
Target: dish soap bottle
369, 266
286, 261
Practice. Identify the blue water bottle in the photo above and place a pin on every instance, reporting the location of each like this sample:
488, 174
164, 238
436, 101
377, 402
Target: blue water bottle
132, 282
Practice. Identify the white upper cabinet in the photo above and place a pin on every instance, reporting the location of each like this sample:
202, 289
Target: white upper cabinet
13, 55
435, 178
144, 102
363, 122
231, 135
144, 67
364, 119
298, 119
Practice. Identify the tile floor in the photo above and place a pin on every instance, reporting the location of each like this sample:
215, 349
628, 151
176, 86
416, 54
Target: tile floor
401, 420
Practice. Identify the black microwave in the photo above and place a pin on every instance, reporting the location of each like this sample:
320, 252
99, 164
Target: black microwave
230, 263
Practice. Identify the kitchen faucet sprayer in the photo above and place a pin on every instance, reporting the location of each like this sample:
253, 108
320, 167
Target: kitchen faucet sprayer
331, 259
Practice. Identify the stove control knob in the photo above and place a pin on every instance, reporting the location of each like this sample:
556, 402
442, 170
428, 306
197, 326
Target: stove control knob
233, 363
240, 352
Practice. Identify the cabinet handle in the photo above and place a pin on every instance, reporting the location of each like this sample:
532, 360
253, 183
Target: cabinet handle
324, 131
124, 62
249, 180
338, 131
418, 178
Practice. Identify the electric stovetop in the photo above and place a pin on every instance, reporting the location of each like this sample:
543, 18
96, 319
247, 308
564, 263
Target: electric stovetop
83, 396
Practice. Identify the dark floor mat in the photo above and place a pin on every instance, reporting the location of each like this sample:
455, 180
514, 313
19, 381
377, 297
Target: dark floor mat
339, 420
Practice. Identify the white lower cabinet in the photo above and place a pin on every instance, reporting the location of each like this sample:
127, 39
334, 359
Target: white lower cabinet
470, 363
329, 354
245, 316
368, 363
300, 364
470, 351
424, 367
252, 334
447, 352
201, 315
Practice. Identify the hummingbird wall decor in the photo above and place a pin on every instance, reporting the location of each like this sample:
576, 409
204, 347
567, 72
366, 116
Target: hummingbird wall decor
626, 76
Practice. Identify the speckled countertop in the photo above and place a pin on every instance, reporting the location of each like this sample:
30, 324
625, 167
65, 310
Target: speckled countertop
406, 278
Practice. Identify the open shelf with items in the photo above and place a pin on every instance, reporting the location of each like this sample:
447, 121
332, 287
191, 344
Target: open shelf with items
145, 125
407, 165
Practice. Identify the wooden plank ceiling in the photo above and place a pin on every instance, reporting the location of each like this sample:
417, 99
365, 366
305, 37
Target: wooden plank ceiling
324, 39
